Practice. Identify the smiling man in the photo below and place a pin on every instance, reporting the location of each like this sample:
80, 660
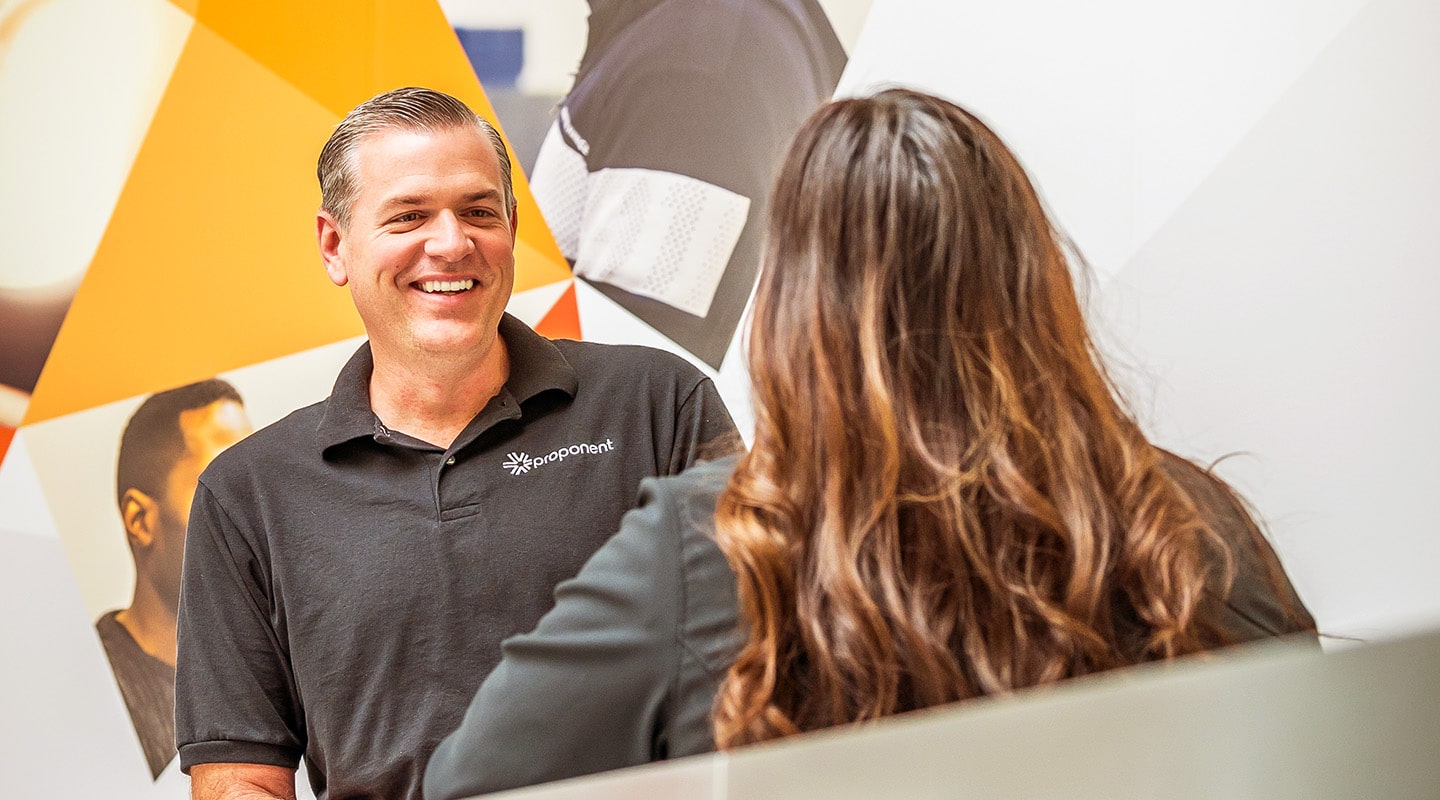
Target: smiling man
351, 570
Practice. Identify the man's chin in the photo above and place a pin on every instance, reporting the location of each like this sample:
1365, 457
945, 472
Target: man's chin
457, 341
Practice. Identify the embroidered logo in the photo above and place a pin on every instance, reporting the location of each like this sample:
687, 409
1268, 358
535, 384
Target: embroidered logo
518, 463
521, 463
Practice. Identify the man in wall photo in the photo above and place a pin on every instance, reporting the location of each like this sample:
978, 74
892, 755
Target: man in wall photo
169, 440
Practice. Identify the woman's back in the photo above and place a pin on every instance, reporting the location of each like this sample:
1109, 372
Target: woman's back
944, 497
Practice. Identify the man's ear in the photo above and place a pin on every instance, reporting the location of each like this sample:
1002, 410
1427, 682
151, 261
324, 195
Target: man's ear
327, 236
514, 222
141, 515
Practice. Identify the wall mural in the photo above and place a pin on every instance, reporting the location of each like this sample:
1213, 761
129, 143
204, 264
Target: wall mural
203, 265
188, 305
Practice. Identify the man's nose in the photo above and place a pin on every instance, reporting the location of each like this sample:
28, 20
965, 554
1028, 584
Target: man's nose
448, 238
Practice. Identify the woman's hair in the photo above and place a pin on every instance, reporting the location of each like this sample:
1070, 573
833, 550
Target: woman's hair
944, 497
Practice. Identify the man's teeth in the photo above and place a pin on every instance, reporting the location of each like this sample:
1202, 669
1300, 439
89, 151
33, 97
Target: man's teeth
446, 286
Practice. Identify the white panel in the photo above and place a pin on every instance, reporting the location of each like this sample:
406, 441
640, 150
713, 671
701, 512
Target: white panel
25, 511
604, 320
659, 234
1117, 108
531, 306
79, 82
554, 36
1289, 311
65, 732
74, 457
558, 183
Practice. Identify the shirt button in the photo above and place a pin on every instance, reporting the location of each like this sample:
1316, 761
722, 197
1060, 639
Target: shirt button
450, 462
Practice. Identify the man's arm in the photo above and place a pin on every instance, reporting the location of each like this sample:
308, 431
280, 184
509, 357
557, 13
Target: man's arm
241, 782
236, 701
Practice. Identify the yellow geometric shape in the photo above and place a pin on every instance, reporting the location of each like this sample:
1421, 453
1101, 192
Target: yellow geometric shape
325, 49
209, 261
535, 267
341, 52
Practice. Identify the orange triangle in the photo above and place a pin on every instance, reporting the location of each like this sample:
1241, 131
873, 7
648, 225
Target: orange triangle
342, 52
190, 7
562, 321
209, 260
325, 48
7, 435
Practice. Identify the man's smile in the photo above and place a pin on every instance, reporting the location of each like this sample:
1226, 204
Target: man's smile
445, 287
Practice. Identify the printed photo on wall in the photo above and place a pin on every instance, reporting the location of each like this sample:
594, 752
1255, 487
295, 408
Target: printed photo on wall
33, 306
122, 510
164, 447
654, 173
653, 177
49, 150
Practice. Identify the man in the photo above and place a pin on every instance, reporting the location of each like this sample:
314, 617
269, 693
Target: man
169, 439
352, 569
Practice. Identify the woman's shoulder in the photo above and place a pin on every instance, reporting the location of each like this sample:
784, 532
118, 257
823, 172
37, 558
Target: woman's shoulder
1260, 601
692, 493
1214, 499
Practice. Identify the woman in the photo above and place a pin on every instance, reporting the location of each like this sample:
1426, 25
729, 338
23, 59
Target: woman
944, 498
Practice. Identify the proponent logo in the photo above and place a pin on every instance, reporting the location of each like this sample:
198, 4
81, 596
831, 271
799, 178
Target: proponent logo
521, 462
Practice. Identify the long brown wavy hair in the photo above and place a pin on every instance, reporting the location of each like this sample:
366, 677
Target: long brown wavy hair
944, 497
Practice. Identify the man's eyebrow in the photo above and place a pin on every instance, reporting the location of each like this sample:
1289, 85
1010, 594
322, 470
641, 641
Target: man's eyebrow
403, 201
410, 201
487, 194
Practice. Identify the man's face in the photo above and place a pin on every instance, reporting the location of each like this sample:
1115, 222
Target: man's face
428, 253
207, 432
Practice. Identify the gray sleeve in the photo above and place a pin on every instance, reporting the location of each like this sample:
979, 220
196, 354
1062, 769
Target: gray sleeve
1261, 603
703, 428
587, 690
235, 697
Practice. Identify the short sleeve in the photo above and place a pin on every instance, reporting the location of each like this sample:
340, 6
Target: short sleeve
703, 428
235, 696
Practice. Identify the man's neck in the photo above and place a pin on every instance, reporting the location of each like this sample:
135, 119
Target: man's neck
150, 622
433, 398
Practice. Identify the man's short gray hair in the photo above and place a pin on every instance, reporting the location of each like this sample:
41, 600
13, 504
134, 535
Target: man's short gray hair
409, 109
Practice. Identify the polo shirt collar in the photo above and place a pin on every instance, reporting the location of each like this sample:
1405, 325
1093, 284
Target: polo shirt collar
536, 366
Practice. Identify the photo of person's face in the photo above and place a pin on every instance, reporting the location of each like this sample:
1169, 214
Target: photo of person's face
207, 432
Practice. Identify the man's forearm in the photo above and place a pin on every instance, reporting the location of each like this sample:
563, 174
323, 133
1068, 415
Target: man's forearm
241, 782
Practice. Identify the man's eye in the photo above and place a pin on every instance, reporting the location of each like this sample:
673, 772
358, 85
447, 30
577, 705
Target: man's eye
410, 217
479, 212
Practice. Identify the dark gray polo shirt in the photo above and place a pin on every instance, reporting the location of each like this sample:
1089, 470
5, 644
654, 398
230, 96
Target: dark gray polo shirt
346, 588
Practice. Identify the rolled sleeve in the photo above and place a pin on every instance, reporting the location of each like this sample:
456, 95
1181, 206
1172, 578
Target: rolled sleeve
235, 696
